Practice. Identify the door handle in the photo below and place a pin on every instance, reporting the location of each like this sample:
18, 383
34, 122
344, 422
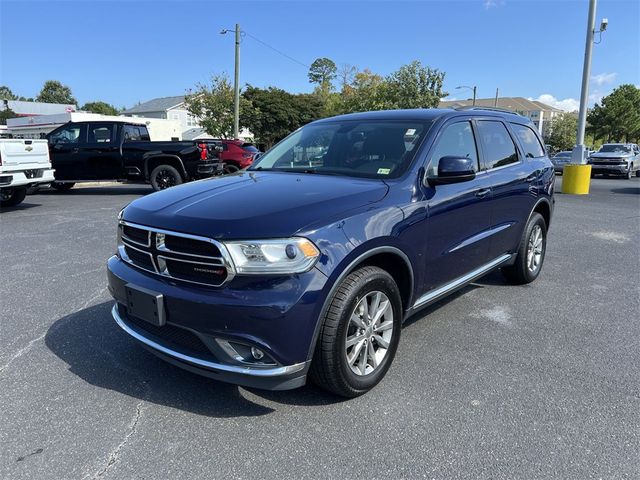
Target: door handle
483, 192
531, 177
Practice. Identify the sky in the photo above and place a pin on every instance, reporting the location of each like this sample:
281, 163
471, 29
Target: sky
127, 51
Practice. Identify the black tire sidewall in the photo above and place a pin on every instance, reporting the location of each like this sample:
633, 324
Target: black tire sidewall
16, 197
536, 219
168, 168
383, 282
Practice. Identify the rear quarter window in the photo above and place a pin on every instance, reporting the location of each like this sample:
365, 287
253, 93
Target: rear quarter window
529, 141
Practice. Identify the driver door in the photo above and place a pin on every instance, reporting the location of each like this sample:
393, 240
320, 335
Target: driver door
65, 144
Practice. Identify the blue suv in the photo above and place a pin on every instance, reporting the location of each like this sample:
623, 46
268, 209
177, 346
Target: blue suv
307, 263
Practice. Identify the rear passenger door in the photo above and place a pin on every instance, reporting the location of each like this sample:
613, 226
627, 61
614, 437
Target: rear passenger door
102, 152
512, 181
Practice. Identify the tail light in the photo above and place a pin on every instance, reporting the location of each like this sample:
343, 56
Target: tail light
204, 151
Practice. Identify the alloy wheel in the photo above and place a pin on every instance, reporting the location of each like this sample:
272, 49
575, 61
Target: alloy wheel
165, 179
534, 249
369, 333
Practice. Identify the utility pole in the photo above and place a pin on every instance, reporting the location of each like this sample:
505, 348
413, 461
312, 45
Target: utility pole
474, 95
236, 87
495, 103
578, 155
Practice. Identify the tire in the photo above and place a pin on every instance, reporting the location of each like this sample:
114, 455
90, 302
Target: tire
230, 168
330, 367
527, 268
165, 176
62, 187
638, 173
629, 175
11, 197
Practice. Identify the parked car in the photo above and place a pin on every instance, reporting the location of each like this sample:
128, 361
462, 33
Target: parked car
561, 159
112, 150
315, 274
23, 164
237, 154
616, 158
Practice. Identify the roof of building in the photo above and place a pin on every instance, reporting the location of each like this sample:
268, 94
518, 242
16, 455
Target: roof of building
27, 109
515, 104
157, 105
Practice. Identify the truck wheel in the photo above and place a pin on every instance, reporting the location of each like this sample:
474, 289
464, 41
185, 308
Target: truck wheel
630, 173
530, 254
638, 173
10, 197
165, 176
62, 187
230, 168
359, 333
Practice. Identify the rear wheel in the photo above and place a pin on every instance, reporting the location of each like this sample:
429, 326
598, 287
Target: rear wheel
630, 173
63, 187
165, 176
530, 254
230, 168
10, 197
359, 334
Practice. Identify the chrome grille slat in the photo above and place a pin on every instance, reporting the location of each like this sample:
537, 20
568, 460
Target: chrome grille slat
162, 258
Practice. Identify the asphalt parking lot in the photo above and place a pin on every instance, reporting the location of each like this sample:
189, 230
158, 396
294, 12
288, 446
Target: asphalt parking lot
537, 381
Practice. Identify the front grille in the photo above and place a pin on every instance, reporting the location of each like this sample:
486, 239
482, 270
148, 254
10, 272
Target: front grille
191, 246
138, 235
175, 255
196, 272
170, 336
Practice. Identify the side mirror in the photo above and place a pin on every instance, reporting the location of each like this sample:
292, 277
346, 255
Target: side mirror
452, 169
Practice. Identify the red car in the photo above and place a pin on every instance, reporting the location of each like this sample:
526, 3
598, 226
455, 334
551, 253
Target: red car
237, 154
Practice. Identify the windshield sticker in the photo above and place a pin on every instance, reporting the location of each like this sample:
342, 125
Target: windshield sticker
384, 171
410, 132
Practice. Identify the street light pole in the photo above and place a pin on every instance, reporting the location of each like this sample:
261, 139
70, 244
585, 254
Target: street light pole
578, 155
236, 87
470, 88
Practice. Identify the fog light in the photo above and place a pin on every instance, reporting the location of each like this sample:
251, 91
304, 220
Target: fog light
257, 353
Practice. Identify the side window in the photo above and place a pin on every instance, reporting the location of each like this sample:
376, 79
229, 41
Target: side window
131, 133
456, 140
144, 133
101, 133
69, 134
529, 141
497, 145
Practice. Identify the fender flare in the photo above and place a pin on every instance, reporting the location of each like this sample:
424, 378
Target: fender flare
345, 271
155, 156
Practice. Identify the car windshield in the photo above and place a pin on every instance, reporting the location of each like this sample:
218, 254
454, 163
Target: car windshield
615, 148
369, 149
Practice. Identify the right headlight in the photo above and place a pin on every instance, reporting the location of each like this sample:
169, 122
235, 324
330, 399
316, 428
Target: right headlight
280, 256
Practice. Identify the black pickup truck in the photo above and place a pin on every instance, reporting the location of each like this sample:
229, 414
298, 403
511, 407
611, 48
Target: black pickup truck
114, 150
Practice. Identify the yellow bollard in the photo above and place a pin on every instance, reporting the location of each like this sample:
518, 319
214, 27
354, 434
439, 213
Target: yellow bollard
576, 179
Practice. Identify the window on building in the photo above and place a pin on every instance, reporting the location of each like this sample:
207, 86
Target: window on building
497, 146
529, 141
192, 120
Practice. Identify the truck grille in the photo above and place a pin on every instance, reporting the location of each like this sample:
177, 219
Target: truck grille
174, 255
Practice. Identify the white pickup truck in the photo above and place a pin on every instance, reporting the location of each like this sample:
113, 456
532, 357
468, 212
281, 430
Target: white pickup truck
23, 164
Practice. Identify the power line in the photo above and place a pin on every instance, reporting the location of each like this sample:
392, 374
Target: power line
276, 50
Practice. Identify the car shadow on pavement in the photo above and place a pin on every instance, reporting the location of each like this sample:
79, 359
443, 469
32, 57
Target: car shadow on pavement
96, 350
20, 207
627, 190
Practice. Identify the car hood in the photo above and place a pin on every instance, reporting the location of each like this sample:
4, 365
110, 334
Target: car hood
253, 204
610, 155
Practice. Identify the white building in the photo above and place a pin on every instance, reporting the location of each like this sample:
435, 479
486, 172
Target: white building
174, 108
538, 112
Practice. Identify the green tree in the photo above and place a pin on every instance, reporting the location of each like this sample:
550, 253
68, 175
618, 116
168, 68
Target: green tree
213, 105
414, 86
562, 131
322, 72
6, 93
617, 118
5, 114
55, 92
272, 113
365, 93
100, 107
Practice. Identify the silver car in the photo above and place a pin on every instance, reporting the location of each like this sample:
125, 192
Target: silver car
616, 158
561, 159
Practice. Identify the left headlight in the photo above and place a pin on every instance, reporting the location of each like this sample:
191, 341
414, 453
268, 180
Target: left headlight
281, 256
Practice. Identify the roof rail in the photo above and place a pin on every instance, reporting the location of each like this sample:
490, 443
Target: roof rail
493, 109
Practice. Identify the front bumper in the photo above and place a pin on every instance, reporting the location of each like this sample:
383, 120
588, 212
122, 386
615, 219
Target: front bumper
617, 168
26, 178
278, 316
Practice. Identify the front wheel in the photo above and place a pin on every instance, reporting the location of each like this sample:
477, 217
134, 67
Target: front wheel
630, 173
230, 168
165, 176
530, 254
10, 197
359, 333
63, 187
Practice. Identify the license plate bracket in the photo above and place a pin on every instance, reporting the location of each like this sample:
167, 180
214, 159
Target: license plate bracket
145, 304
